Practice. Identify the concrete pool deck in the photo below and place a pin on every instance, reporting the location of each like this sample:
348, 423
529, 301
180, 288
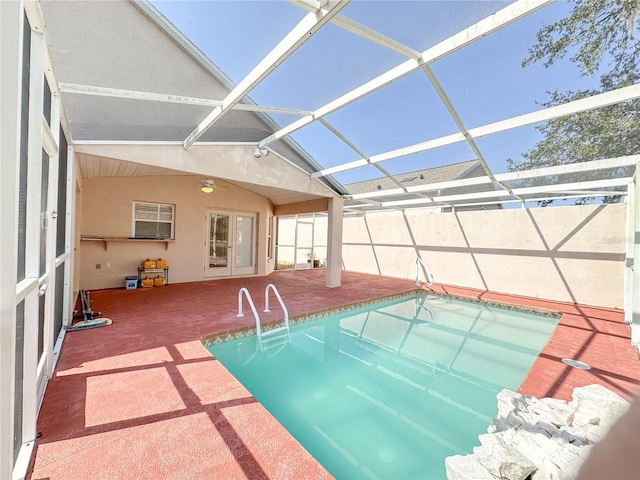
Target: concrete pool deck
143, 398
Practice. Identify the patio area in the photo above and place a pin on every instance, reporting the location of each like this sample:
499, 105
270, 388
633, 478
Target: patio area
144, 399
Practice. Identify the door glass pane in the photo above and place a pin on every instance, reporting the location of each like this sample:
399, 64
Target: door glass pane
218, 240
62, 196
46, 107
41, 304
244, 241
19, 376
24, 142
44, 219
59, 301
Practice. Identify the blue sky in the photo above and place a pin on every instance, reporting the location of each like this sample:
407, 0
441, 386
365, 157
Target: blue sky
485, 81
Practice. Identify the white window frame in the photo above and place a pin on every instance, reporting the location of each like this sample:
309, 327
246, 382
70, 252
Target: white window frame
134, 219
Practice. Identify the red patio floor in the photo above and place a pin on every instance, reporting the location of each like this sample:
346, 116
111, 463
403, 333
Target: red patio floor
143, 399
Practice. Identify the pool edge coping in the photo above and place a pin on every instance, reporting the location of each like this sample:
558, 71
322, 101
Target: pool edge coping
224, 335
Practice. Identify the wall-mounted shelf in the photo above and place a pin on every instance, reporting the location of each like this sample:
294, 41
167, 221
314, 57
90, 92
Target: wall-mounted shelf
106, 240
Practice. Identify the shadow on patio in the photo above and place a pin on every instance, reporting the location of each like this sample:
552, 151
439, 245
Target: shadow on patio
144, 399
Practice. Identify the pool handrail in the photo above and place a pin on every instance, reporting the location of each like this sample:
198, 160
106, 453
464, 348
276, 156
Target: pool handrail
429, 274
259, 332
272, 287
253, 307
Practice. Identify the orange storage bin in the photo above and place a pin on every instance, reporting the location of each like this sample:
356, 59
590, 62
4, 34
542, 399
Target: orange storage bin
160, 263
158, 282
148, 264
147, 282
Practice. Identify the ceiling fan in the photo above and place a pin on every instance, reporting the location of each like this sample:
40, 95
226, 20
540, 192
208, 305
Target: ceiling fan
207, 185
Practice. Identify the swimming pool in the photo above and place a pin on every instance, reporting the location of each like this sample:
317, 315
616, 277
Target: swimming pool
391, 390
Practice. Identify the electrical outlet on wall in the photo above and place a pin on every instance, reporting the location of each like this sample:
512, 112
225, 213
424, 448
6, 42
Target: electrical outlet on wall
108, 264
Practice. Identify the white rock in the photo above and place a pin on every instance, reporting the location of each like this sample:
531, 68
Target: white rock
564, 436
544, 439
514, 420
585, 416
536, 429
595, 404
545, 424
526, 416
547, 471
568, 458
533, 445
460, 467
508, 401
488, 440
586, 434
504, 463
500, 425
560, 412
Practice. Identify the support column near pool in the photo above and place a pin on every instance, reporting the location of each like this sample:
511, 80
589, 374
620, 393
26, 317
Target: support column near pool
334, 243
632, 263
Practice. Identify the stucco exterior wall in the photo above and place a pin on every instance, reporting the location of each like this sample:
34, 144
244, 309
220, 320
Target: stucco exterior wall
573, 254
76, 219
106, 210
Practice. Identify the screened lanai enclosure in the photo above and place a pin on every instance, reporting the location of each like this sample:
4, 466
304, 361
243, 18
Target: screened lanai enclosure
358, 135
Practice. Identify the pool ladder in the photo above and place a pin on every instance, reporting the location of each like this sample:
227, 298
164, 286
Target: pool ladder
428, 273
279, 335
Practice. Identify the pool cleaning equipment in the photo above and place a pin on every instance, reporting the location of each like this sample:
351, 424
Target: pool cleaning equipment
91, 319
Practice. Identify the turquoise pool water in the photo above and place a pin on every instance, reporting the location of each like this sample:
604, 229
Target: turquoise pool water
390, 390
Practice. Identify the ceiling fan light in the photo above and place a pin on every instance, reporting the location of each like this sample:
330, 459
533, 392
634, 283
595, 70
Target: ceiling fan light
207, 185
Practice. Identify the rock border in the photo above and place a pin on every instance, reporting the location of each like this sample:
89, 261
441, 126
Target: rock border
539, 439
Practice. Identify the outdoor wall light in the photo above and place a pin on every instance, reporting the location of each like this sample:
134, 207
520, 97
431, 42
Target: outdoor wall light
259, 152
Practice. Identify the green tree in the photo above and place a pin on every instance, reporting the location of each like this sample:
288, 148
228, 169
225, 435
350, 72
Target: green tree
600, 35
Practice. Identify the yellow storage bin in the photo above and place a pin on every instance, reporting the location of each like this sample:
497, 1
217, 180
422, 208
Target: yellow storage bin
160, 263
158, 282
149, 264
147, 282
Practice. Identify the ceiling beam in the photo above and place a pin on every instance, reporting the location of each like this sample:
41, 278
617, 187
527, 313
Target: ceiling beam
573, 168
387, 42
463, 129
311, 23
563, 187
359, 209
180, 99
365, 32
591, 166
469, 35
355, 148
591, 103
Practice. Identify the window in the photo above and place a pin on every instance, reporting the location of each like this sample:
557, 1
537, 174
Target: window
153, 220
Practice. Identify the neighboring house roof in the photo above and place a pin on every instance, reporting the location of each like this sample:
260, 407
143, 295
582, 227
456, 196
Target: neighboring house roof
439, 177
446, 173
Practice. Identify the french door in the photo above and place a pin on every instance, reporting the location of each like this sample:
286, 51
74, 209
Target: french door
230, 243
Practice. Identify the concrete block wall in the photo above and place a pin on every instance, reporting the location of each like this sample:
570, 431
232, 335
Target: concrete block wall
566, 253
